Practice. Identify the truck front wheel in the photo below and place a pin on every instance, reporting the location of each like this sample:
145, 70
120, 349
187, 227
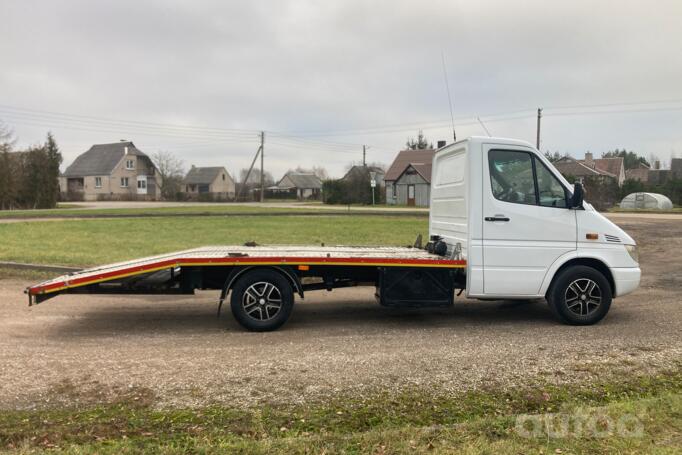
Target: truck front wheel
580, 295
262, 300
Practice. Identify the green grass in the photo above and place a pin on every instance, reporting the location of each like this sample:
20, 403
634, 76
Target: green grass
101, 241
72, 211
415, 421
24, 274
619, 210
206, 209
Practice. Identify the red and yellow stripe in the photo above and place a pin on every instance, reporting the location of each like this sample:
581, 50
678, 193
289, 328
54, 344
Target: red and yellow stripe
236, 261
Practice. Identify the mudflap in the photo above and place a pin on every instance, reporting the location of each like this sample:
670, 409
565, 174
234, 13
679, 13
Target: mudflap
415, 287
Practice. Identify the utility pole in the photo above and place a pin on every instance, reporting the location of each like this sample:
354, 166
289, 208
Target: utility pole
364, 156
248, 174
262, 170
537, 141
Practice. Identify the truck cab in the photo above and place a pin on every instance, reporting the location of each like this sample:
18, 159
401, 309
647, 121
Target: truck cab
525, 232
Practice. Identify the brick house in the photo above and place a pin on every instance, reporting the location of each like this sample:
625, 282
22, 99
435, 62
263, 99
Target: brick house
116, 171
590, 167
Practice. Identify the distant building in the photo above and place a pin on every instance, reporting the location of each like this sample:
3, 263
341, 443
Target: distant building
116, 171
360, 172
640, 173
658, 176
213, 183
302, 185
408, 179
589, 167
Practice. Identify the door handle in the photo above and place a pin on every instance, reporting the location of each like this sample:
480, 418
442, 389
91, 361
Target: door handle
496, 218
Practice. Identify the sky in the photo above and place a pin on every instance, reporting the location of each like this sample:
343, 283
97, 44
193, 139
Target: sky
201, 79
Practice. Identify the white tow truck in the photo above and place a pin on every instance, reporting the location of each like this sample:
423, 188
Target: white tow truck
503, 224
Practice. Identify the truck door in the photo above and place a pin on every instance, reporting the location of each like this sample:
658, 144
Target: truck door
526, 222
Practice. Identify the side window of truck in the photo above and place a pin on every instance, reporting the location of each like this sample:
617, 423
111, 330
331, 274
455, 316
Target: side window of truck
551, 192
512, 176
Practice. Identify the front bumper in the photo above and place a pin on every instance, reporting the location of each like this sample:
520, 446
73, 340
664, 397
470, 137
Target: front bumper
626, 279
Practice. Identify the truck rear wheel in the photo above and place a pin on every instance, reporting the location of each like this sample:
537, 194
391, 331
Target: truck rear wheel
580, 295
262, 300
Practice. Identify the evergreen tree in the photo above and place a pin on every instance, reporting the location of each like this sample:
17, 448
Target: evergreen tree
51, 172
421, 143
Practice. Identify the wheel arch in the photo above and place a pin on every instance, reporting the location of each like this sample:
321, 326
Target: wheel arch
592, 262
286, 272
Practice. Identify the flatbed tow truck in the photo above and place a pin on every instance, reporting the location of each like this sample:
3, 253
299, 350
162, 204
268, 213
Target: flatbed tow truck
503, 224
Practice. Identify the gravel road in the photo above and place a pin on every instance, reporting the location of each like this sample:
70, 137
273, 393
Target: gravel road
173, 350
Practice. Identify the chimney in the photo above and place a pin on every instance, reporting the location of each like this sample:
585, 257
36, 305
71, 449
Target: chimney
657, 164
125, 150
589, 161
441, 144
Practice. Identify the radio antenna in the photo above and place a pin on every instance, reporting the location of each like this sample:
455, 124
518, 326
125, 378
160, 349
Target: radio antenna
447, 87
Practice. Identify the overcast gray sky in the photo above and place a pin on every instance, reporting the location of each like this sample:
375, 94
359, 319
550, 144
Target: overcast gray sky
200, 78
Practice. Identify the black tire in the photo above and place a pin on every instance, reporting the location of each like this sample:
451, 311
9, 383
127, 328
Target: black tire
580, 295
262, 300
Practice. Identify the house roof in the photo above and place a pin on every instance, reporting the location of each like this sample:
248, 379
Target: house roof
610, 165
576, 168
420, 160
302, 180
204, 175
101, 159
362, 170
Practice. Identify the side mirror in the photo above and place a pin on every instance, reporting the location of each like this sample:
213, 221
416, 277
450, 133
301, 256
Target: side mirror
576, 201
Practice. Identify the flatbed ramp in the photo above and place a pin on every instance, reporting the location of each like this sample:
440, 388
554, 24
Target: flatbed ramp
241, 256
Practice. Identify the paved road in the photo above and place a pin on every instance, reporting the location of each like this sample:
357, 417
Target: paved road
92, 348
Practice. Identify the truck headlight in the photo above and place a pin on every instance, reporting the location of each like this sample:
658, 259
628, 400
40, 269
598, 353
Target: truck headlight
632, 251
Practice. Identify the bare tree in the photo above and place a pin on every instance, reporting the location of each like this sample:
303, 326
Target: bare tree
319, 171
171, 172
7, 139
254, 178
8, 174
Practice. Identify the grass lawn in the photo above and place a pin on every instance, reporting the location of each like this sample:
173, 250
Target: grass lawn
619, 210
634, 415
206, 209
101, 241
75, 211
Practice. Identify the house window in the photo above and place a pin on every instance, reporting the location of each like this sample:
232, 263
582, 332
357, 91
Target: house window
130, 164
394, 190
223, 177
141, 184
98, 182
124, 182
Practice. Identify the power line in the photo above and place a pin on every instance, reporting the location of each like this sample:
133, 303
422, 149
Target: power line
5, 107
630, 103
619, 111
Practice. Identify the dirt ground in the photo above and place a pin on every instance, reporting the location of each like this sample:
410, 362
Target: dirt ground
174, 351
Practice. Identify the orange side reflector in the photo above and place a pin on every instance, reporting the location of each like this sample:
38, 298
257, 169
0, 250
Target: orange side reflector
592, 236
303, 267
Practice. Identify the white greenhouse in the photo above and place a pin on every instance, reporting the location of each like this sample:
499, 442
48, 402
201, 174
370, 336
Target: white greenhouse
652, 201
